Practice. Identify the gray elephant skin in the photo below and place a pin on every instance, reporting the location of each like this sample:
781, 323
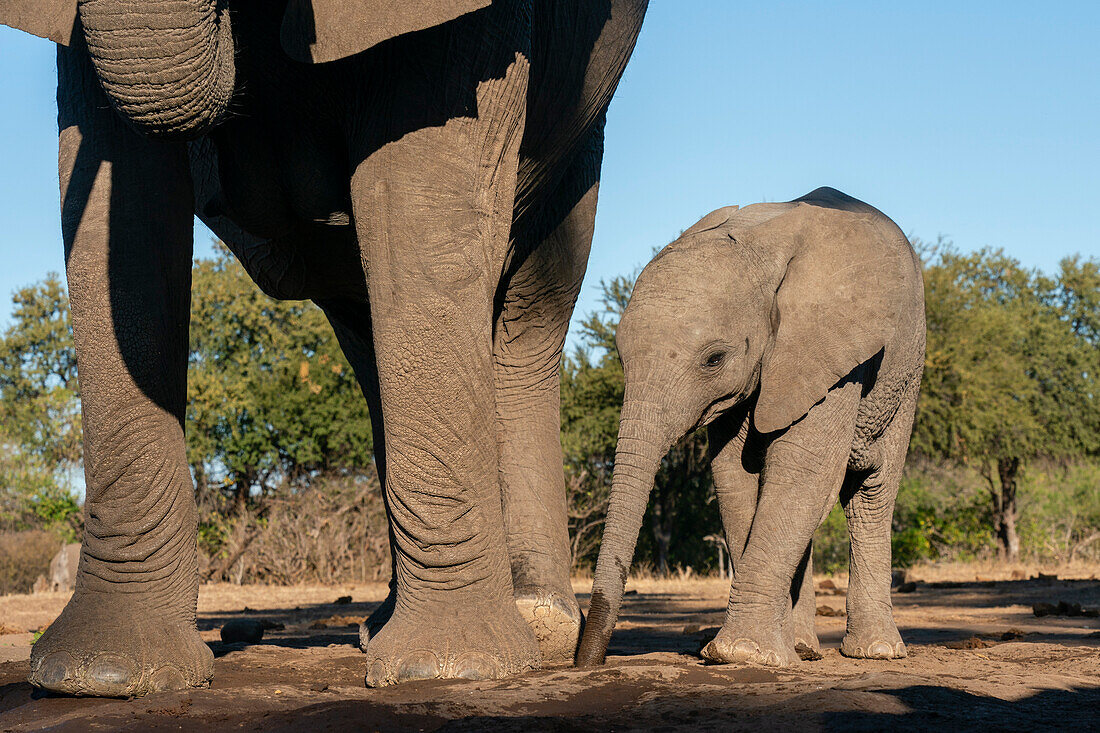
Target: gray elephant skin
795, 333
427, 173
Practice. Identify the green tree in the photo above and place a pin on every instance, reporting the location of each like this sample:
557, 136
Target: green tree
272, 402
592, 398
40, 434
1010, 375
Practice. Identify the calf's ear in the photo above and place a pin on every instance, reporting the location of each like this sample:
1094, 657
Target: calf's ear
52, 19
316, 31
835, 308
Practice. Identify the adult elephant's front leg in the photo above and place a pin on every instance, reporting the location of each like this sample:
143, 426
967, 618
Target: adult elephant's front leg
126, 217
433, 211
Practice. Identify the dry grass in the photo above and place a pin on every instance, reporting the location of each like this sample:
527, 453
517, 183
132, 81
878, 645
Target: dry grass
23, 557
334, 532
959, 572
993, 570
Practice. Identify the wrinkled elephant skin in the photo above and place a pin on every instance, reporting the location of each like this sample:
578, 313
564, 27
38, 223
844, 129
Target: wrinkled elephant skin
795, 333
432, 187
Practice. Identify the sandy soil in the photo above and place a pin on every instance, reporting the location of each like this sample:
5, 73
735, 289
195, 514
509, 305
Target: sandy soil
979, 660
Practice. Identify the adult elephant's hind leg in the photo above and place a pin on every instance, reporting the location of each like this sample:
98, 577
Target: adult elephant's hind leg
351, 324
433, 209
552, 243
803, 608
129, 628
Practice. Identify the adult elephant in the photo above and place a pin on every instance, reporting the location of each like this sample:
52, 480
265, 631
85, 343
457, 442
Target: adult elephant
427, 173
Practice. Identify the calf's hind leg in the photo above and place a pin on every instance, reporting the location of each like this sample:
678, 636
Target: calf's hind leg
871, 632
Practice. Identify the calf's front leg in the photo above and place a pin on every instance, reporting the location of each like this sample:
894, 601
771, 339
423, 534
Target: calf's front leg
802, 474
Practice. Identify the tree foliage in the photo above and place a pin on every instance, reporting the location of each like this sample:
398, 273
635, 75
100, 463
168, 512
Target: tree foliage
271, 400
1004, 453
1011, 370
40, 449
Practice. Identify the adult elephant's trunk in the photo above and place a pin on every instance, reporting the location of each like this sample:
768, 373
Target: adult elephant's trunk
167, 65
644, 438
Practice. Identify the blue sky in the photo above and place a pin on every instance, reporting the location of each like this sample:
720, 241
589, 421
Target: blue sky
979, 121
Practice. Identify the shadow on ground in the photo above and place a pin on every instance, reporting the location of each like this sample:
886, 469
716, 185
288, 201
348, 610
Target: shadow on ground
1024, 673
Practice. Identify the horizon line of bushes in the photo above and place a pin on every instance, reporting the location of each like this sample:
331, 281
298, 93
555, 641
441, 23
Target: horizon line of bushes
1004, 460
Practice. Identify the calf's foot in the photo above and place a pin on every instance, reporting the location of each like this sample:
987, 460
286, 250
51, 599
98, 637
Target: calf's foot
119, 645
879, 640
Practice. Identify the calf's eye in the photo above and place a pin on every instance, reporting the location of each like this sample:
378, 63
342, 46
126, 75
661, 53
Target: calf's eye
715, 359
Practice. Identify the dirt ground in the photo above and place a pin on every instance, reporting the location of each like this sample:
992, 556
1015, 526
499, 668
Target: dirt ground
979, 659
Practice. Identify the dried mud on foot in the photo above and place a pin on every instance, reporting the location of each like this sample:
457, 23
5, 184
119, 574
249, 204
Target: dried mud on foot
979, 659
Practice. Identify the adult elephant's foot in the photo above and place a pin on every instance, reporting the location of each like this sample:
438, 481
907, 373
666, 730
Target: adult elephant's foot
806, 643
459, 641
114, 645
873, 641
556, 619
378, 618
764, 646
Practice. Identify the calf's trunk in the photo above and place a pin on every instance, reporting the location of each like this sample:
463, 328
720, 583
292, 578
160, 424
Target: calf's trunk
641, 446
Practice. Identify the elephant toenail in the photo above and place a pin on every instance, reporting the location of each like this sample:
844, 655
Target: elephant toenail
745, 649
879, 650
899, 650
54, 671
167, 678
377, 674
565, 609
111, 675
419, 665
477, 666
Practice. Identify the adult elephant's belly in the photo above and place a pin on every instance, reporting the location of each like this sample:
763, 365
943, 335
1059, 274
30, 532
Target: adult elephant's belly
281, 203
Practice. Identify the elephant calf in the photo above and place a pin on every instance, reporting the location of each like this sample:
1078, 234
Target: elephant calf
795, 333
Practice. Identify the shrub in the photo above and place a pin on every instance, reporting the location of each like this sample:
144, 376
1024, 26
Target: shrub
941, 514
334, 531
23, 557
1060, 512
831, 543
